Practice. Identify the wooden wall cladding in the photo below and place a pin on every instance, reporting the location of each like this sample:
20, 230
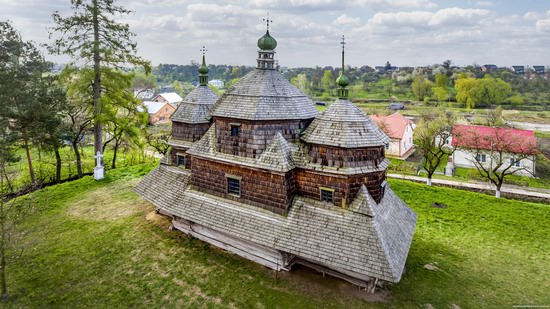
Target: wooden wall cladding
254, 136
341, 157
259, 188
308, 183
189, 132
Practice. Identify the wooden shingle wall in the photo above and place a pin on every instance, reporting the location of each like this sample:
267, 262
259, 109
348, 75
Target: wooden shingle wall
342, 157
189, 132
259, 188
254, 136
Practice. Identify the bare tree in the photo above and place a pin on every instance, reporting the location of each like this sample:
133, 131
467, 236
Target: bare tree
158, 139
499, 152
432, 138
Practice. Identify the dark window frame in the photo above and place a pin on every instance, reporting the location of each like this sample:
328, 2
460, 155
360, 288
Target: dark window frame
233, 185
326, 195
180, 157
235, 129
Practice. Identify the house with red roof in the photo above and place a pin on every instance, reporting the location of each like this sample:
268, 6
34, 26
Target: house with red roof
511, 149
400, 130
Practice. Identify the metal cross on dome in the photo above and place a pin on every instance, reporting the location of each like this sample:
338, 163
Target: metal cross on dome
203, 50
343, 42
267, 20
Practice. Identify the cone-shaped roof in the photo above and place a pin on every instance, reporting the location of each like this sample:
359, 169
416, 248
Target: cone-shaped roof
264, 95
197, 106
343, 124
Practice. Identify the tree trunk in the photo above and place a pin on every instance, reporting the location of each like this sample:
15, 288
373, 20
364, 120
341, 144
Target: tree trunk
29, 160
115, 150
497, 193
57, 165
78, 160
429, 181
3, 283
97, 82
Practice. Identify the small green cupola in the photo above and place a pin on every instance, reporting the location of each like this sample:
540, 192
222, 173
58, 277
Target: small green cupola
203, 70
267, 45
267, 42
342, 81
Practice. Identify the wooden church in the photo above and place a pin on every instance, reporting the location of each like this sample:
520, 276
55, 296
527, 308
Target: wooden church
260, 173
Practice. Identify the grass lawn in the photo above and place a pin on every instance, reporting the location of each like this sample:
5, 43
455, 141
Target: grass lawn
99, 245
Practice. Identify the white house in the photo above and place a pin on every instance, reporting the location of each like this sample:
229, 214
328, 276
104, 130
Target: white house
400, 130
512, 149
217, 83
168, 97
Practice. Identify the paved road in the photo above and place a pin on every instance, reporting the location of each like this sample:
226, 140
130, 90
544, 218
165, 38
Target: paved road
531, 192
530, 126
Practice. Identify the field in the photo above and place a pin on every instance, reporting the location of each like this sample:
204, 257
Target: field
99, 245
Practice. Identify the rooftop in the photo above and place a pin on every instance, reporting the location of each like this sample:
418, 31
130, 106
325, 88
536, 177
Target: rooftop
501, 139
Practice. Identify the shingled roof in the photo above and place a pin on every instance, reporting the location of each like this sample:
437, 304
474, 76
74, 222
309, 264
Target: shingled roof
264, 95
343, 124
373, 244
197, 106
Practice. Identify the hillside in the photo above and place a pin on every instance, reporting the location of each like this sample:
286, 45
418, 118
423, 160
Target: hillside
99, 245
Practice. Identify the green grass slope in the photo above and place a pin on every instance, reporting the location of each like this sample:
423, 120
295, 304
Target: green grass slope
99, 245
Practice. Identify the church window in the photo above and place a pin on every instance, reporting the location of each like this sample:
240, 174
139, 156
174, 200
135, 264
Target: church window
387, 146
235, 129
327, 194
481, 157
181, 159
515, 162
234, 185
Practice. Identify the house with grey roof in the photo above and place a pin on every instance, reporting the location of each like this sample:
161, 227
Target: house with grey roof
275, 182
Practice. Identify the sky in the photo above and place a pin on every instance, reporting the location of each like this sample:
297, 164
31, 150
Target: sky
308, 32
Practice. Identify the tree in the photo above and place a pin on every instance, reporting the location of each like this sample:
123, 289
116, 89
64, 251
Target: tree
123, 119
327, 82
92, 35
301, 82
498, 153
440, 94
158, 138
431, 137
420, 87
465, 92
441, 80
491, 91
25, 90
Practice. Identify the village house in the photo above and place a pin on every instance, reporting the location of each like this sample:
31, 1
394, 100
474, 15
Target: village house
168, 97
400, 130
274, 181
159, 112
519, 69
217, 83
489, 68
486, 144
539, 69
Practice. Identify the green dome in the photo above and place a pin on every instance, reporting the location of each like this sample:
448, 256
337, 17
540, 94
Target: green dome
267, 42
203, 69
342, 80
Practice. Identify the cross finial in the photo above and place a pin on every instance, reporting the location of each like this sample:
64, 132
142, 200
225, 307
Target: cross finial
343, 42
267, 20
203, 50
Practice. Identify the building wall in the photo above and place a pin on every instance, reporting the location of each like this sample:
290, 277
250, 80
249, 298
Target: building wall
254, 137
175, 151
163, 115
464, 158
260, 188
309, 183
189, 132
341, 157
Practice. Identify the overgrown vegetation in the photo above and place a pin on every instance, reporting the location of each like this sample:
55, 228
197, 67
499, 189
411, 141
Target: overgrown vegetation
99, 245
